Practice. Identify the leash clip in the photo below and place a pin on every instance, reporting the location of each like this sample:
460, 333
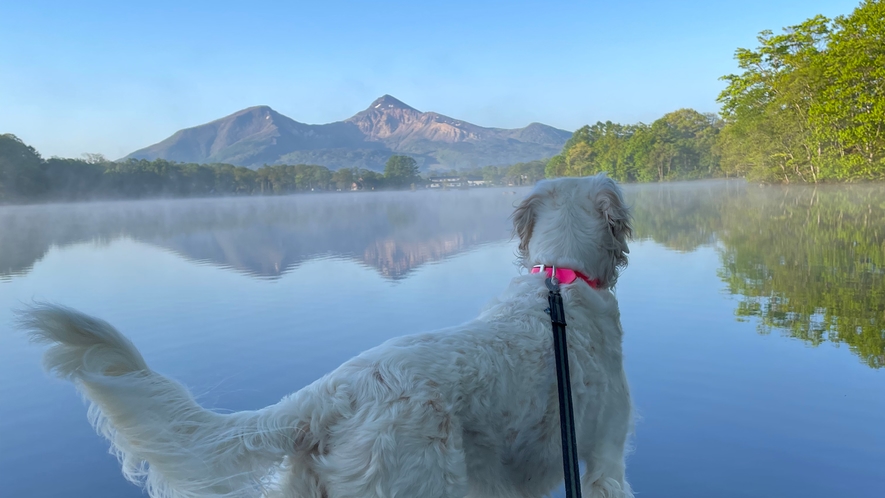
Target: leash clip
551, 282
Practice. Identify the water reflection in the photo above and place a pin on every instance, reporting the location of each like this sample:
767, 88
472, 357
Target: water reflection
808, 262
391, 232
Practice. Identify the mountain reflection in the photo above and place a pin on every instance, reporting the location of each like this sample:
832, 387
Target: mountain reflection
267, 237
807, 262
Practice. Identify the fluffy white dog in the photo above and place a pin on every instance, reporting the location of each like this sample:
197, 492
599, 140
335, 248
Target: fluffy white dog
469, 411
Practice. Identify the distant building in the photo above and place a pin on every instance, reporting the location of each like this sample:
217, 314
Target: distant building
475, 181
455, 181
445, 181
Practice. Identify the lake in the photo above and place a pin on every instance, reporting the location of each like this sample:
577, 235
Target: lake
754, 319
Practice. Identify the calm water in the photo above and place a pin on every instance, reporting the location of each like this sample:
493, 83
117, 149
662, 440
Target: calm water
754, 319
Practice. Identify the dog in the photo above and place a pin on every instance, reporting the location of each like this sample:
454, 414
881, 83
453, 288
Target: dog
468, 411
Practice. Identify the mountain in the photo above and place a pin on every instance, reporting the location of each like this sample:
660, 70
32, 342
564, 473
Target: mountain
259, 135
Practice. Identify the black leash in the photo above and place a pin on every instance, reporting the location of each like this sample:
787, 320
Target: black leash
563, 381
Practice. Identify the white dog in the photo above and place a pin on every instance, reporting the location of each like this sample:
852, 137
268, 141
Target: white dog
470, 411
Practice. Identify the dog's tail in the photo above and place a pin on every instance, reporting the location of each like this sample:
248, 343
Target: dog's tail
161, 436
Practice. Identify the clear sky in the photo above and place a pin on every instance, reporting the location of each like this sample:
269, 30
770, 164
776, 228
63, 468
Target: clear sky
115, 76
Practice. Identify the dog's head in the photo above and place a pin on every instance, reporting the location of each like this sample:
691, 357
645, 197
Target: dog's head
577, 223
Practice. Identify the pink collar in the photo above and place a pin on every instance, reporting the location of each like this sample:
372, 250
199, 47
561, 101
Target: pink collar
566, 276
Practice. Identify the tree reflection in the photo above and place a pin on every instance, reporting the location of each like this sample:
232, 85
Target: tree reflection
806, 261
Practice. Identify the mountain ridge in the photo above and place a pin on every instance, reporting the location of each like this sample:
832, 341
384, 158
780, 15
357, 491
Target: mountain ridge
260, 135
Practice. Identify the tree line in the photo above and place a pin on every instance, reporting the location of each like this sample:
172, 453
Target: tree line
26, 176
679, 146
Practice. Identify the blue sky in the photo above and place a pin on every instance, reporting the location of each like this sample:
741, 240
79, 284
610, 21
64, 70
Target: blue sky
114, 76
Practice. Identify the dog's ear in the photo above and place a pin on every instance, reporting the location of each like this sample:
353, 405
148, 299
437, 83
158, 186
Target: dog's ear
611, 205
524, 221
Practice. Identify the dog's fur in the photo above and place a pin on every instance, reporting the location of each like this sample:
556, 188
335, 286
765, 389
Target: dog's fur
466, 411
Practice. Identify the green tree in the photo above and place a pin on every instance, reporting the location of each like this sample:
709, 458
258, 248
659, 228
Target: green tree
683, 143
768, 105
850, 110
556, 166
526, 173
344, 178
369, 180
21, 174
400, 171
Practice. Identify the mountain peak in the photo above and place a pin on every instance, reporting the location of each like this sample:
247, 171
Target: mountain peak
256, 109
389, 102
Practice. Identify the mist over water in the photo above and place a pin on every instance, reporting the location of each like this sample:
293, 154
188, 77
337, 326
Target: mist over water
270, 236
754, 318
